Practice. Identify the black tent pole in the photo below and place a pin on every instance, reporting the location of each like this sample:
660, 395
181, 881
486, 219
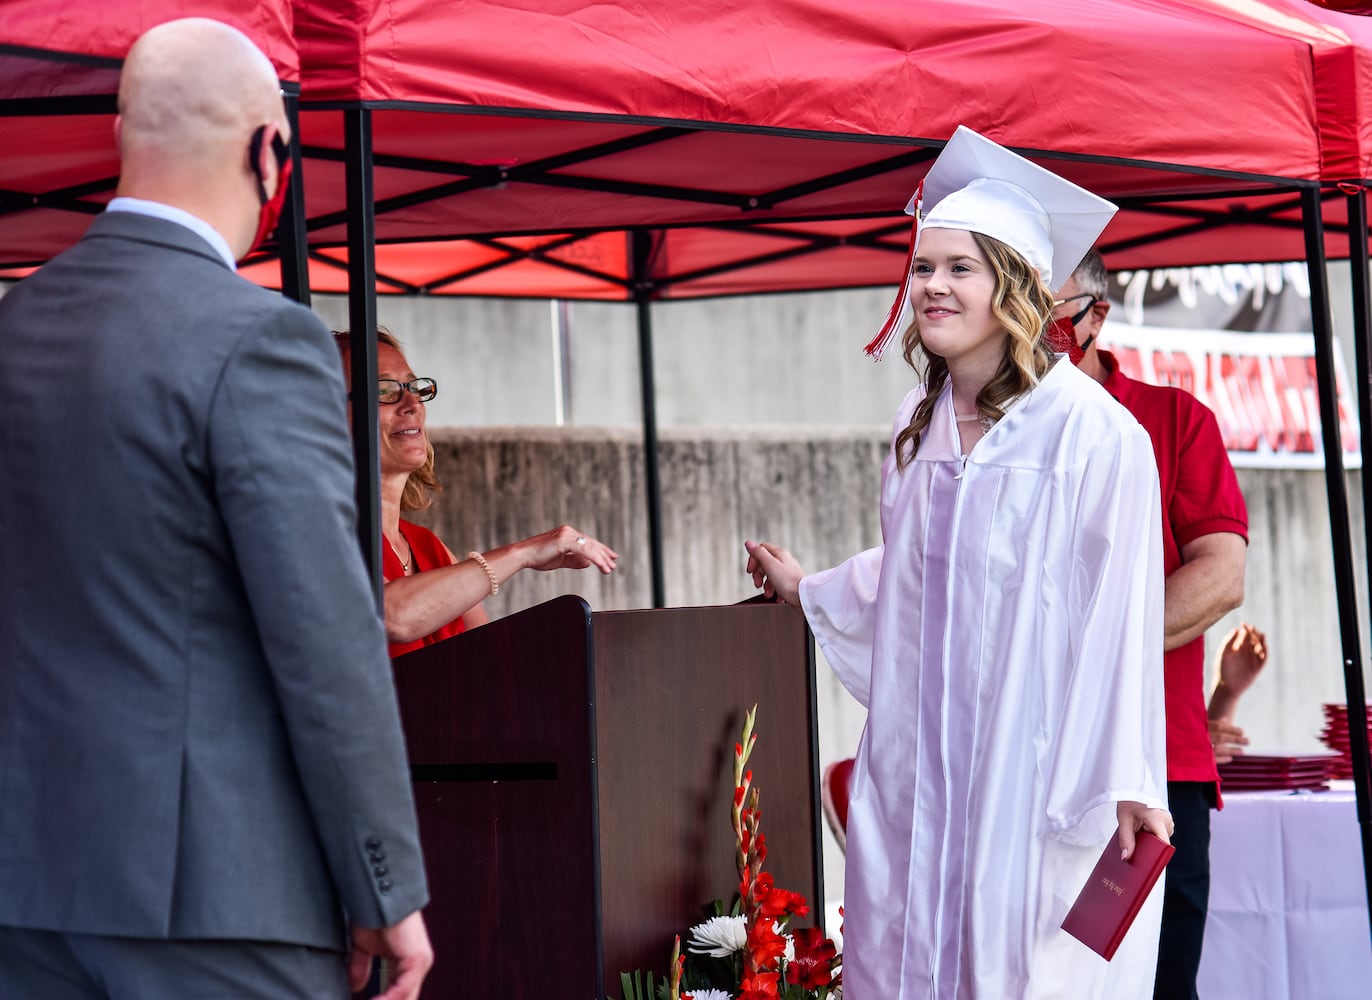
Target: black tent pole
290, 232
640, 252
357, 139
1336, 487
1362, 342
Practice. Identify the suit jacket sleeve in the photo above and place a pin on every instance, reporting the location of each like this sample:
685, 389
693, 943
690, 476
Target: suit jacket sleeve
282, 463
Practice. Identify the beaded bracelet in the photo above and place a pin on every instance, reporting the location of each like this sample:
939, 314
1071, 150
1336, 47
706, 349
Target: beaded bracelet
480, 560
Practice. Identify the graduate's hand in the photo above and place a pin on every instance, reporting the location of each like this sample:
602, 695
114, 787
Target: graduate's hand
775, 570
1135, 816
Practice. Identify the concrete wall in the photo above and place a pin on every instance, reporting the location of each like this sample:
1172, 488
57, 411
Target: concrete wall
784, 359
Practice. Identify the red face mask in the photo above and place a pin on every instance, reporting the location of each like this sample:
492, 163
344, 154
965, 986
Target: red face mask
1061, 335
1061, 338
270, 212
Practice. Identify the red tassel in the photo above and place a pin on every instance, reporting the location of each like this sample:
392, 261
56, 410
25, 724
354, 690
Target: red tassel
894, 319
877, 347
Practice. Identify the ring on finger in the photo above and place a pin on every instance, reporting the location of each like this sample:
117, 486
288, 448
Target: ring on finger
581, 539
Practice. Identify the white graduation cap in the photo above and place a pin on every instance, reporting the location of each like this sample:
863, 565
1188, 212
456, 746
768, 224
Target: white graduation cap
979, 186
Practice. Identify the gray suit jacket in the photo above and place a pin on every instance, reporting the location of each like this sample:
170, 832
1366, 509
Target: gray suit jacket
198, 727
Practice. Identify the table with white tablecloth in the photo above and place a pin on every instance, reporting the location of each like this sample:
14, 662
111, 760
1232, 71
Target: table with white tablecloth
1288, 909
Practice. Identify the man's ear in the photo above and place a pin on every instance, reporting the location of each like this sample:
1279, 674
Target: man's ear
118, 129
265, 166
1100, 309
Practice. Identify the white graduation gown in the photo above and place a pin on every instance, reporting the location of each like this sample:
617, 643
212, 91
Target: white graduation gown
1007, 640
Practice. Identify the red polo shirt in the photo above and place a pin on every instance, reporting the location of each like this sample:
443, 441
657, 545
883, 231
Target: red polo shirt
1200, 496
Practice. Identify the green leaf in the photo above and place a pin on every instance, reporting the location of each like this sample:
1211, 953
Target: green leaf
633, 986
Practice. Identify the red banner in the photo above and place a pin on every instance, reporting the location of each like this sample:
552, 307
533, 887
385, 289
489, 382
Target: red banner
1260, 386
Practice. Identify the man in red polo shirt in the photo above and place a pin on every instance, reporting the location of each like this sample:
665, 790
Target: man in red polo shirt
1205, 539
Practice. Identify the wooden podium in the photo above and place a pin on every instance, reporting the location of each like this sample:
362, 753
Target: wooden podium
573, 778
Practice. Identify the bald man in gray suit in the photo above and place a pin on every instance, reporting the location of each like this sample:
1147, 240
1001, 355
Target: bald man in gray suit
203, 786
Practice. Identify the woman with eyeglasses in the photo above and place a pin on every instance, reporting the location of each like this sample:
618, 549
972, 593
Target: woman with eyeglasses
430, 593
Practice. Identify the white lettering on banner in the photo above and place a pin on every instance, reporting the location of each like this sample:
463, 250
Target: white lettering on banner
1228, 283
1260, 386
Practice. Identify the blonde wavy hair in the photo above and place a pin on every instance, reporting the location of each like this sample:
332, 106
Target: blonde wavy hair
422, 485
1023, 305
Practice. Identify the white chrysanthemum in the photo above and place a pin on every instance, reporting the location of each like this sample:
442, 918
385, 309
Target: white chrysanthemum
718, 937
709, 995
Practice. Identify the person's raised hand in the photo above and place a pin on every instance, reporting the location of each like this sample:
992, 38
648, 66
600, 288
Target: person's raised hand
774, 570
1135, 816
405, 944
564, 547
1242, 658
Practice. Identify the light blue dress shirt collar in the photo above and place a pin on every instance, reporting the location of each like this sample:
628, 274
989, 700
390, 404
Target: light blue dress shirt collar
157, 210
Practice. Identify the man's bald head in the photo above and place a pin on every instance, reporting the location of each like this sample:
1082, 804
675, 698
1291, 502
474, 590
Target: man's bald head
191, 85
191, 95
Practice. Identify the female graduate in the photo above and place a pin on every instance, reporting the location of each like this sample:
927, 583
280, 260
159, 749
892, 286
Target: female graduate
1007, 636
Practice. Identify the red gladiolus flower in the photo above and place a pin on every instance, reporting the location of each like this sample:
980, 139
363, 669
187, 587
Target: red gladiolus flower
775, 903
764, 945
814, 958
759, 986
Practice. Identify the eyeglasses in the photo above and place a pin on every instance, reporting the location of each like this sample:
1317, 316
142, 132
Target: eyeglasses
389, 390
1078, 316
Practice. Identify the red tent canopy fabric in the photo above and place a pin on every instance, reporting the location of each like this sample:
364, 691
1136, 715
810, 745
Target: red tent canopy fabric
59, 74
516, 141
771, 148
1096, 78
86, 39
1341, 53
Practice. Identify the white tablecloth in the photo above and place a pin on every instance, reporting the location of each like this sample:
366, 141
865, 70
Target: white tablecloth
1288, 910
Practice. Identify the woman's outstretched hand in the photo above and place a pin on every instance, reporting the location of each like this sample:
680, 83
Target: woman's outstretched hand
565, 547
776, 571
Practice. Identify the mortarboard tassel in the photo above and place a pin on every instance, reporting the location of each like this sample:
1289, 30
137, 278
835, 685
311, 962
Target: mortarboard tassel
898, 318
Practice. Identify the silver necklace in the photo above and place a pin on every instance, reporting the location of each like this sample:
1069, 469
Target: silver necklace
986, 422
404, 563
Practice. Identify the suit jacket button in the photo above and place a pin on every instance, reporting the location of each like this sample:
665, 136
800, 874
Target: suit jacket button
377, 857
373, 843
384, 886
380, 870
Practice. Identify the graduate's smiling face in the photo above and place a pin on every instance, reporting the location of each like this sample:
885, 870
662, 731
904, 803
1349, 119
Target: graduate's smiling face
951, 288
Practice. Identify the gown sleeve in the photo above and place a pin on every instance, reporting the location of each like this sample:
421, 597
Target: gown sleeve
1110, 740
840, 605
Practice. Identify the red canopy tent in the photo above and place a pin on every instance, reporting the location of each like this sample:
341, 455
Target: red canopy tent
772, 149
618, 152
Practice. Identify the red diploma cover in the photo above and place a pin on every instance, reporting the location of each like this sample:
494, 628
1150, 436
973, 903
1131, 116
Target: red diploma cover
1115, 892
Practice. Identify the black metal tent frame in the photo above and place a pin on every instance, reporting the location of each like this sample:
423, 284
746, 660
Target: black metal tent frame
642, 288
